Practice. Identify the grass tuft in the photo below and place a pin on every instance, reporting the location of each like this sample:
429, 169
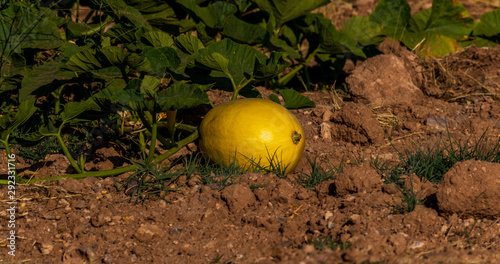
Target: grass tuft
275, 166
432, 163
40, 150
318, 174
150, 180
218, 175
410, 201
329, 242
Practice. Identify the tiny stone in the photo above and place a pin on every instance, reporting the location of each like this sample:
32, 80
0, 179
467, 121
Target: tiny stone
325, 130
107, 258
327, 115
417, 244
436, 122
46, 248
309, 249
328, 214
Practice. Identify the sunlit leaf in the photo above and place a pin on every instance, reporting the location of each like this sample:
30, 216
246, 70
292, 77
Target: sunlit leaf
295, 100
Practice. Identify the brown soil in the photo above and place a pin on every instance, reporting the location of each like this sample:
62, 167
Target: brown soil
396, 102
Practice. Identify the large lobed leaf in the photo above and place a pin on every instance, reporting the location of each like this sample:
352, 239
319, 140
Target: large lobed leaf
22, 26
488, 26
436, 32
238, 62
214, 15
293, 99
12, 120
283, 11
181, 96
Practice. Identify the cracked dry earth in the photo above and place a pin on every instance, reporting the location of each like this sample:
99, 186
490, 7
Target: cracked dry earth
396, 102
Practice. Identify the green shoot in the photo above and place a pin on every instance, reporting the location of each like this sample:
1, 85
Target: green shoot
329, 242
318, 174
410, 201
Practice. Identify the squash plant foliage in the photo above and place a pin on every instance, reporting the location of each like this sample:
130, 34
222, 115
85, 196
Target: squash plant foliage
60, 70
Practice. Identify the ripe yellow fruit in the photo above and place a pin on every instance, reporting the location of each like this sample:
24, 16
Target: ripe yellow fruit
250, 131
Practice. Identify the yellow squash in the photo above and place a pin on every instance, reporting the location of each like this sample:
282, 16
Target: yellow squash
250, 131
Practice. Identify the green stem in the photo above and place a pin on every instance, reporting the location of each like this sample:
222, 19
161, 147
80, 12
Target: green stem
171, 114
308, 78
66, 152
185, 127
154, 132
238, 89
92, 174
120, 170
6, 145
124, 74
57, 96
77, 11
180, 144
150, 129
289, 76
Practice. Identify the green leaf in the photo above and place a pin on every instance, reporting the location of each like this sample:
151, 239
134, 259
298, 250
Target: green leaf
437, 46
14, 119
229, 59
391, 16
271, 67
283, 11
149, 85
243, 31
478, 42
294, 100
214, 15
274, 98
281, 45
92, 59
113, 56
333, 42
451, 19
42, 80
215, 61
74, 109
189, 44
182, 96
121, 11
76, 30
162, 60
489, 26
157, 39
418, 22
83, 61
130, 97
437, 32
363, 31
152, 8
105, 98
250, 91
24, 26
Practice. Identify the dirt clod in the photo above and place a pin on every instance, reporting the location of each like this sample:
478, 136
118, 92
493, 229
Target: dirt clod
237, 197
384, 80
470, 188
358, 179
356, 123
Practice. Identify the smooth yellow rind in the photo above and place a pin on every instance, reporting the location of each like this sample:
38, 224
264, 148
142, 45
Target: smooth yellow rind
251, 129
